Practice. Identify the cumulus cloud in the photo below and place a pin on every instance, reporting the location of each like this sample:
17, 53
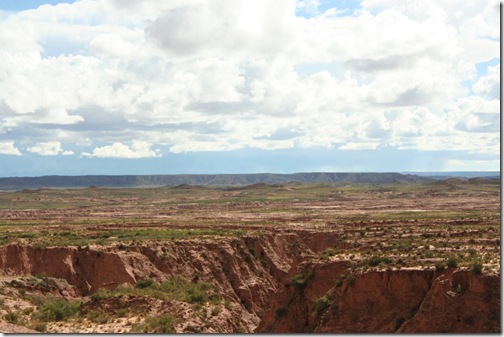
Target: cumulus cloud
138, 149
232, 26
48, 149
9, 148
489, 85
196, 75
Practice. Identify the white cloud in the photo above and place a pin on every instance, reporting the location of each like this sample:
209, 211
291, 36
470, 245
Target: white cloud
489, 85
48, 149
138, 149
196, 75
232, 26
9, 148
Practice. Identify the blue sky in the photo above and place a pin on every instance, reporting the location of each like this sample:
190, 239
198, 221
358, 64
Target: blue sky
20, 5
244, 86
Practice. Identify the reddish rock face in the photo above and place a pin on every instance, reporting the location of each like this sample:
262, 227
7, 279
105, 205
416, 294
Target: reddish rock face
275, 289
410, 301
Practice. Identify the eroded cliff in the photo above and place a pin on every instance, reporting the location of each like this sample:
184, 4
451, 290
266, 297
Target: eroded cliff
276, 283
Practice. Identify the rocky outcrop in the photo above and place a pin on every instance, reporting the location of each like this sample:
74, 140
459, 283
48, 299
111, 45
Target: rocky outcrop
247, 271
335, 300
275, 287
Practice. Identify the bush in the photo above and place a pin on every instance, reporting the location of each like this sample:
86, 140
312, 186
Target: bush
440, 266
11, 317
476, 268
174, 288
156, 324
215, 311
376, 260
452, 262
142, 284
57, 310
298, 281
98, 316
322, 303
40, 327
339, 281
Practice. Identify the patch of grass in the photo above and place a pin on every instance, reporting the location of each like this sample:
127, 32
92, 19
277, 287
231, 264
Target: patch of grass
156, 324
142, 284
98, 316
216, 310
56, 310
377, 260
324, 255
175, 288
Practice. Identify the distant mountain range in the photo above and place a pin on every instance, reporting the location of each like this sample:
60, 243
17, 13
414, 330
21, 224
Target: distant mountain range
18, 183
460, 175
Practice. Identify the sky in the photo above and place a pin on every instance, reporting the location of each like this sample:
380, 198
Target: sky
247, 86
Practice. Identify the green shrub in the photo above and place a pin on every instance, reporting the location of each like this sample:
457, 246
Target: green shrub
40, 327
322, 303
142, 284
57, 310
339, 280
175, 288
156, 324
123, 312
228, 304
376, 260
11, 317
476, 267
452, 262
327, 253
215, 311
440, 266
298, 281
98, 316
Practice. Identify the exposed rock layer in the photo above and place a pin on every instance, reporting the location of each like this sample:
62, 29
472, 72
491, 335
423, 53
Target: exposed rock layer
255, 273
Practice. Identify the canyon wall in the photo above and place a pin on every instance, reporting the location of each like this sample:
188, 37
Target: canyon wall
278, 287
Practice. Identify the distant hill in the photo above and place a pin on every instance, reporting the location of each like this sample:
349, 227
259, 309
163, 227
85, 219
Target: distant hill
459, 175
181, 180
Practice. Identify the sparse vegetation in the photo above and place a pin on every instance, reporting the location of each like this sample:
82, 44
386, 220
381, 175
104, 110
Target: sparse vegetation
369, 227
452, 262
476, 267
174, 288
156, 324
377, 260
56, 309
322, 303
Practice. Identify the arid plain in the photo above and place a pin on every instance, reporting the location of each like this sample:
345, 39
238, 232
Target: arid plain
348, 257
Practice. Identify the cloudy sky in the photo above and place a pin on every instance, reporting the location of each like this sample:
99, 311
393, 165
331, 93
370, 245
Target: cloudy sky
244, 86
